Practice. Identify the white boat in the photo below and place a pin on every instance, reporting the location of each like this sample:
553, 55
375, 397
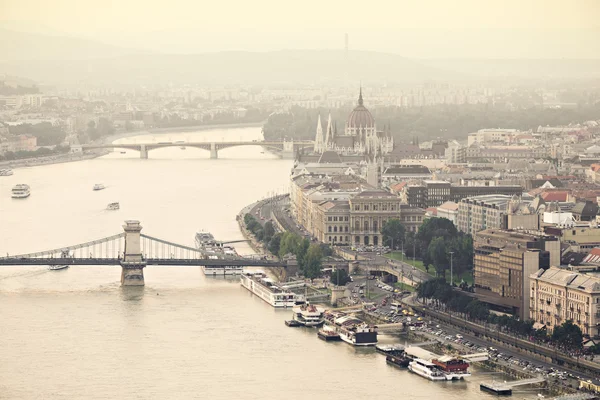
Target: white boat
351, 329
21, 191
426, 369
57, 267
113, 206
99, 186
6, 172
267, 289
216, 250
308, 314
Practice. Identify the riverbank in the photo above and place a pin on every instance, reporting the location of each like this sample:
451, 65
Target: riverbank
53, 159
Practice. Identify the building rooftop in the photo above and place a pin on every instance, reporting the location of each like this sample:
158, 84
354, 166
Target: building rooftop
570, 279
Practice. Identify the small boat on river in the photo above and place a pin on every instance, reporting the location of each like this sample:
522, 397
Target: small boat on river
57, 267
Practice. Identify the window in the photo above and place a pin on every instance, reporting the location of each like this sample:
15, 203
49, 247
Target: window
346, 219
356, 225
356, 207
356, 239
329, 219
366, 207
335, 228
346, 228
375, 226
366, 225
384, 207
335, 219
375, 207
329, 229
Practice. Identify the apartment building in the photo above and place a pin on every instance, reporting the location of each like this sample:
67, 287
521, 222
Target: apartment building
558, 295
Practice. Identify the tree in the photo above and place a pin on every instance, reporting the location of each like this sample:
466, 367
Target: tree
312, 261
438, 254
269, 231
435, 227
339, 277
274, 243
568, 335
289, 244
393, 233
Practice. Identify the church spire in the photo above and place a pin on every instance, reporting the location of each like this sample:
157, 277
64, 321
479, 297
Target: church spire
329, 133
360, 99
319, 147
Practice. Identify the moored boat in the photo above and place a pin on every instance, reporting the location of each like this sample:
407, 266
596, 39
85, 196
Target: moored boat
351, 329
308, 314
99, 186
21, 191
426, 369
267, 289
398, 360
113, 206
57, 267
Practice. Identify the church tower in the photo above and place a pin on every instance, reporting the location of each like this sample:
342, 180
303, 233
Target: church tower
319, 144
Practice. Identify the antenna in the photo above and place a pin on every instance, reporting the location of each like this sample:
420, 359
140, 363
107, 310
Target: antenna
346, 43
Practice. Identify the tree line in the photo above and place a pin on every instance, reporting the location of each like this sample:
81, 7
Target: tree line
567, 336
309, 256
433, 243
429, 122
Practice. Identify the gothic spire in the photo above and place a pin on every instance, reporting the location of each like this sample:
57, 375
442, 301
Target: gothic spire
319, 148
360, 99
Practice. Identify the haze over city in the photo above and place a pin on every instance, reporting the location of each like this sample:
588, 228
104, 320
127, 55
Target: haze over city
286, 200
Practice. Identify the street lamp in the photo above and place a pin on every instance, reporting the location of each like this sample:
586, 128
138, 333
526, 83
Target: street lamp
451, 280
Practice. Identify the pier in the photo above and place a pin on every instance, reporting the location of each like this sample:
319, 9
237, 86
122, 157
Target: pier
506, 388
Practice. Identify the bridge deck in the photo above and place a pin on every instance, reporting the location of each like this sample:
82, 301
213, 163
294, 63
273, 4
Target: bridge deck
150, 261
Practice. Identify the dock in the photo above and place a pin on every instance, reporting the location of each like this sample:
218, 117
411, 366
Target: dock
506, 388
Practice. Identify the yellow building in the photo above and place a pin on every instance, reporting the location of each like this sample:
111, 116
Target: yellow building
558, 295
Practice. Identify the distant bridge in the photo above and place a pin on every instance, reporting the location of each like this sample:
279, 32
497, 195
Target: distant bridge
286, 148
132, 250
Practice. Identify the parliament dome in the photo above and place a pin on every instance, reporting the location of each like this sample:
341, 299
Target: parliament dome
360, 116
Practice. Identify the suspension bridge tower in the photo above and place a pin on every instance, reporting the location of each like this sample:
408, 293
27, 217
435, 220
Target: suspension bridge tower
132, 264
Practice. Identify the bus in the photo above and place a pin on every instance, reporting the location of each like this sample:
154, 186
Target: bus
396, 306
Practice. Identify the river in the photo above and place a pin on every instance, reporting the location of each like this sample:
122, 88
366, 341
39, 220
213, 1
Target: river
76, 334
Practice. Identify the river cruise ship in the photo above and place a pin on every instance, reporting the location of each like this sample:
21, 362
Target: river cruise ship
216, 250
352, 330
21, 191
308, 314
267, 289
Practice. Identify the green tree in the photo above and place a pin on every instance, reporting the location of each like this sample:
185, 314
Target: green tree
339, 277
568, 335
274, 243
313, 261
393, 233
289, 244
269, 231
438, 254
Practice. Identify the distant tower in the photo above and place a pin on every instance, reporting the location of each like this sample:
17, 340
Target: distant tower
346, 44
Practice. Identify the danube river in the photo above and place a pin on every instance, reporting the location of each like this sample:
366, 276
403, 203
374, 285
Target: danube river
76, 334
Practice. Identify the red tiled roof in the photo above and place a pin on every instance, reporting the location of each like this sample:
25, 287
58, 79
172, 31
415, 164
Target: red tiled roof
398, 187
555, 196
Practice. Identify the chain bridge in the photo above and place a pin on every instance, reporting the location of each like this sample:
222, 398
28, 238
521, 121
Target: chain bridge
286, 148
133, 251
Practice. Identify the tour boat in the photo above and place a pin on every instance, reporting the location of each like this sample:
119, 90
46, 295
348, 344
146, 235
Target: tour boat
6, 172
57, 267
352, 330
426, 369
99, 186
400, 360
308, 314
454, 368
21, 191
113, 206
267, 289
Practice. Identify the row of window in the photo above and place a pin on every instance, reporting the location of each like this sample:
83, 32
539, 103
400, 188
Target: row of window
336, 218
335, 229
376, 207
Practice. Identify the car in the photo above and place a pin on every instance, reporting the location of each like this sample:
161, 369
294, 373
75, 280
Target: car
459, 336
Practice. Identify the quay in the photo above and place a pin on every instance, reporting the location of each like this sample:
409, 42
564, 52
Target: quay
506, 388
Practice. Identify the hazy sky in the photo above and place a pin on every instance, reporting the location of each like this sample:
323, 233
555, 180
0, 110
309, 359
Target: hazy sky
415, 28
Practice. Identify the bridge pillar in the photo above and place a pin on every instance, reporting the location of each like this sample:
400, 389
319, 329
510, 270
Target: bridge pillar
213, 151
337, 293
132, 263
288, 150
143, 152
